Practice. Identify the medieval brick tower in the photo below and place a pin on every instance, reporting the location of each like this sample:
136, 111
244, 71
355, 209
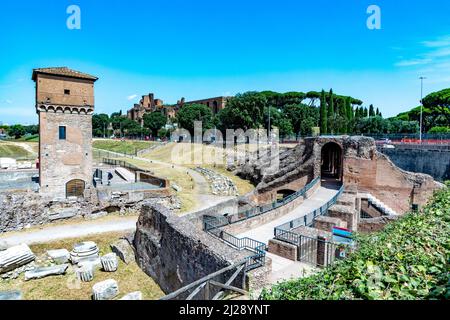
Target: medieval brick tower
64, 104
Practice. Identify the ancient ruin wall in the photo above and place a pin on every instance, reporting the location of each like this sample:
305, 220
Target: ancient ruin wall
397, 188
174, 252
362, 167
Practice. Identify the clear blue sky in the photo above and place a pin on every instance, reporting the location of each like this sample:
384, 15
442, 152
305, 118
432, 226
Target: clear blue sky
198, 49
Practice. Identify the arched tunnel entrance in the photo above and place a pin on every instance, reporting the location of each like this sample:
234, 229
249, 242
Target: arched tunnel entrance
332, 162
282, 194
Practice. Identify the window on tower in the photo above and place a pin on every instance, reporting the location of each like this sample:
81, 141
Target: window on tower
62, 133
67, 91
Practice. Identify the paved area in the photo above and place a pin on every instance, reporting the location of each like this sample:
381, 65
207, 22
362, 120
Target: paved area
285, 269
73, 230
264, 232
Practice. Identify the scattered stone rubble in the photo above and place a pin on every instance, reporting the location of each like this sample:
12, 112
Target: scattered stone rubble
60, 256
220, 185
10, 295
123, 250
85, 274
137, 295
85, 259
3, 245
84, 251
15, 257
105, 290
43, 272
110, 262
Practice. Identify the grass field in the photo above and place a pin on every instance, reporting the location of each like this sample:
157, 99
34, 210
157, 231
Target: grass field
126, 147
174, 175
65, 287
10, 150
210, 157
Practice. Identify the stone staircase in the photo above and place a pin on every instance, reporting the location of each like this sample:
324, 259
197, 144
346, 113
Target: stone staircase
380, 205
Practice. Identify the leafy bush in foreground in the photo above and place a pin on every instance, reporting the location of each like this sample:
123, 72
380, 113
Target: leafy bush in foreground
408, 260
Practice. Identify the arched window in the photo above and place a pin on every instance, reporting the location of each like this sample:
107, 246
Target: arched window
75, 188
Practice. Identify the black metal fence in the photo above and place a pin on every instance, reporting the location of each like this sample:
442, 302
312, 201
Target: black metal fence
221, 221
284, 233
255, 260
320, 252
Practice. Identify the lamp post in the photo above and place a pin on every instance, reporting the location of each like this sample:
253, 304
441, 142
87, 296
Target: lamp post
269, 136
421, 106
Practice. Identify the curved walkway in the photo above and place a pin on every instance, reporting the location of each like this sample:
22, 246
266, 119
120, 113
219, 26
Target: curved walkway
321, 196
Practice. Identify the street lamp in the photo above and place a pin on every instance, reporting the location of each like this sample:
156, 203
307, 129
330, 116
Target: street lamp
421, 106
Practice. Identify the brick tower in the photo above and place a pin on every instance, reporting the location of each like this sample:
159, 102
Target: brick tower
64, 104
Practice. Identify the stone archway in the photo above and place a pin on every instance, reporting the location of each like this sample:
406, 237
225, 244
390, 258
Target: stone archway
332, 161
75, 188
284, 193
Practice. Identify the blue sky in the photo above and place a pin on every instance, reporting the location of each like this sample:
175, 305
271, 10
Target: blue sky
198, 49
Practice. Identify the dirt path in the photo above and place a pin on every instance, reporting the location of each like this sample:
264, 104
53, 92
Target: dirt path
203, 198
76, 229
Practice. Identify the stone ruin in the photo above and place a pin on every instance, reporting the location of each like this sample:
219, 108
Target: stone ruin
357, 164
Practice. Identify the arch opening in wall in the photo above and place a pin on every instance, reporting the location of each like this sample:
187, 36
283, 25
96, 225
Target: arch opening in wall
284, 193
332, 162
75, 188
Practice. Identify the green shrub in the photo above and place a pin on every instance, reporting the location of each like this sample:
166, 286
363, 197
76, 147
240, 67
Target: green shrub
408, 260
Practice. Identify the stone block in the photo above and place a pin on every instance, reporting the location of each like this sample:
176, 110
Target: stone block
109, 262
283, 249
123, 250
59, 256
15, 257
10, 295
43, 272
85, 274
105, 290
137, 295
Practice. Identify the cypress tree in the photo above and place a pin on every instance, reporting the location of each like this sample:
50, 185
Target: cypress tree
371, 111
365, 113
323, 114
331, 112
349, 114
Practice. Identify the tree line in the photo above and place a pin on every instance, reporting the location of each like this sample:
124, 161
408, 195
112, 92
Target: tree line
293, 113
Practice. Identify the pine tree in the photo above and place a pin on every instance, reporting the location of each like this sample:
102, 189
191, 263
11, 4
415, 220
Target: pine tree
323, 114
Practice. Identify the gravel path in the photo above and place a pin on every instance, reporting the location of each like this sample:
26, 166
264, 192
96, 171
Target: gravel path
72, 230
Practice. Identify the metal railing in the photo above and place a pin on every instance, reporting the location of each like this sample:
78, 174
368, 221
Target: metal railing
212, 225
258, 248
284, 233
221, 221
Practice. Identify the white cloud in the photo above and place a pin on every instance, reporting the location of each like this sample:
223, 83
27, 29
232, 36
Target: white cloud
441, 42
132, 97
413, 62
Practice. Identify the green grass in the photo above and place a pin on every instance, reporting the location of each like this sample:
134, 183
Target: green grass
129, 277
126, 147
408, 260
14, 151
